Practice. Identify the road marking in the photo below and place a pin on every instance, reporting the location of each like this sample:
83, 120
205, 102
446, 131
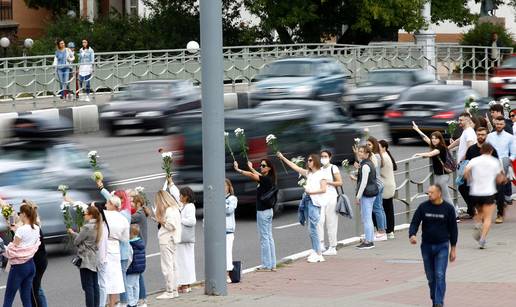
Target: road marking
153, 255
287, 226
372, 126
3, 287
139, 179
147, 139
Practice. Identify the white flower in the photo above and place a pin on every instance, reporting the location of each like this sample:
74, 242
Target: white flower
302, 182
504, 101
492, 103
345, 163
473, 105
239, 131
450, 122
62, 187
80, 204
92, 153
226, 134
270, 138
167, 154
357, 140
366, 130
297, 160
471, 98
64, 205
139, 189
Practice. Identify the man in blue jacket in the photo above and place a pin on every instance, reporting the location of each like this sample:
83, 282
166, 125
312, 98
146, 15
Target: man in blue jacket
439, 232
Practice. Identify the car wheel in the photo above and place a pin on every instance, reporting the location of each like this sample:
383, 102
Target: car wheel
278, 207
111, 131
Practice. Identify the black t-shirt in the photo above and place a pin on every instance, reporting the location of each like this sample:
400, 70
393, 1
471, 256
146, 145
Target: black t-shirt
264, 185
474, 151
437, 164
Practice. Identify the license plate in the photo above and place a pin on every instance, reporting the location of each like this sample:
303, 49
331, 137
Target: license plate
128, 122
417, 113
369, 105
510, 86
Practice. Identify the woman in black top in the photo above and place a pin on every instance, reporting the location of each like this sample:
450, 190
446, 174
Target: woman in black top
266, 179
438, 152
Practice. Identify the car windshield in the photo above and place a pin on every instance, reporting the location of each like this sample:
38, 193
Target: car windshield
388, 78
149, 91
288, 69
509, 63
432, 95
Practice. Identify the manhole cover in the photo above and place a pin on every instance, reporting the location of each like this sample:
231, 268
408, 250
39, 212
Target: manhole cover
404, 261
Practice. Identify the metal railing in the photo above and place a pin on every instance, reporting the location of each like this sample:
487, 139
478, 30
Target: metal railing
34, 76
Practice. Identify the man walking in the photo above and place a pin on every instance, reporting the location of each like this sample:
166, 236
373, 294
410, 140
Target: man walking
504, 143
483, 173
439, 232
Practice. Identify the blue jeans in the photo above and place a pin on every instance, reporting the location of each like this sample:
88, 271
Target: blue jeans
20, 278
42, 298
366, 210
143, 292
314, 214
86, 80
125, 266
63, 74
90, 286
378, 211
133, 289
267, 248
435, 259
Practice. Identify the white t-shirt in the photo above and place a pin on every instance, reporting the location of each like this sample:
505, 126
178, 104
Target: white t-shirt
313, 183
483, 175
27, 235
467, 135
331, 191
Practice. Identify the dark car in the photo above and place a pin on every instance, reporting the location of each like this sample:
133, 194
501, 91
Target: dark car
382, 88
300, 78
503, 83
302, 127
149, 105
431, 107
33, 168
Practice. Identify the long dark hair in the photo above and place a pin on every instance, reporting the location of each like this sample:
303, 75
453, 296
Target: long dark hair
316, 161
376, 148
442, 144
385, 145
101, 208
87, 43
272, 170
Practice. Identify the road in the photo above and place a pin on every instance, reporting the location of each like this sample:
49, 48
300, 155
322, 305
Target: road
135, 162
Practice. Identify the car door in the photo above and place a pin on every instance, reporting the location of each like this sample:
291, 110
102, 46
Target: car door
333, 81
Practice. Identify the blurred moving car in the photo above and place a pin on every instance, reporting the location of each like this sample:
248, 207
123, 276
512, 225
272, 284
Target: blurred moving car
301, 127
381, 88
33, 165
149, 105
503, 83
431, 107
300, 78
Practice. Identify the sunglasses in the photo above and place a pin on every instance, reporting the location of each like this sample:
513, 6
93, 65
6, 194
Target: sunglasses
264, 165
310, 160
513, 115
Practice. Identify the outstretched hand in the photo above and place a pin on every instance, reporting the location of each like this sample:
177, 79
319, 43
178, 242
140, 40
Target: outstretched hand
279, 155
414, 126
250, 164
235, 165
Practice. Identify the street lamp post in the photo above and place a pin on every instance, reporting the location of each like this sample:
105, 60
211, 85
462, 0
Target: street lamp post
27, 45
213, 151
4, 43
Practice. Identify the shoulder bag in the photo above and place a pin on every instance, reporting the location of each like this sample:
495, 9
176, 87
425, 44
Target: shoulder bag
187, 232
343, 206
270, 197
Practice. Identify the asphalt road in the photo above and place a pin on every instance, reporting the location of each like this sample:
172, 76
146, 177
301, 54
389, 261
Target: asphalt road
135, 162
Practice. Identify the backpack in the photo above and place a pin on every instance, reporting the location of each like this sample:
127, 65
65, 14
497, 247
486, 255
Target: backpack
449, 164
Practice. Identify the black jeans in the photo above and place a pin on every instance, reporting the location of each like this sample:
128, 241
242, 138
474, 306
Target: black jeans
500, 199
90, 285
464, 191
388, 207
41, 266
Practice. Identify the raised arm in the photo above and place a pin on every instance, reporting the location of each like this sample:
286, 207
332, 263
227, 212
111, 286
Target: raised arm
423, 136
251, 175
428, 154
292, 165
251, 168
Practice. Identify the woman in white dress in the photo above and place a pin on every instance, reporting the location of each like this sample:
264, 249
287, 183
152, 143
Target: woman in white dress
186, 248
118, 231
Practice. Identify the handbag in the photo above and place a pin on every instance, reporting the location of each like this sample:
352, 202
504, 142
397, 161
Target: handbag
449, 164
77, 261
343, 206
187, 232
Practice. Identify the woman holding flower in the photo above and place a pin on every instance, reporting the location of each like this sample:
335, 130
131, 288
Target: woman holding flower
266, 180
314, 198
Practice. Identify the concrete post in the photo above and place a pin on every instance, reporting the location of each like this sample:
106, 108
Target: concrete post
213, 152
426, 39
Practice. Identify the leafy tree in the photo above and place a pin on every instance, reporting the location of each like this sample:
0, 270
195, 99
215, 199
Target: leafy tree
56, 6
481, 35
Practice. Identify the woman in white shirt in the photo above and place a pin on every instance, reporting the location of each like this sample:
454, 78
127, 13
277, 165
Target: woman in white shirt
20, 253
169, 235
389, 183
313, 198
86, 59
186, 248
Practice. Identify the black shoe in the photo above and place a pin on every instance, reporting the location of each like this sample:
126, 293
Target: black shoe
437, 305
365, 245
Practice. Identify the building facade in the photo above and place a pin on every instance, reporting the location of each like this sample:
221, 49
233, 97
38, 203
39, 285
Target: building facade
19, 21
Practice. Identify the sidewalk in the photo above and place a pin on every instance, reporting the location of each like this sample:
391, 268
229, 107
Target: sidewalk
389, 275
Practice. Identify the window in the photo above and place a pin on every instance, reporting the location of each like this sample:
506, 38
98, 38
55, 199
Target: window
133, 7
6, 10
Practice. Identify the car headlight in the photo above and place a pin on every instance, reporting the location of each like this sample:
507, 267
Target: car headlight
149, 114
109, 114
389, 97
304, 90
350, 98
496, 80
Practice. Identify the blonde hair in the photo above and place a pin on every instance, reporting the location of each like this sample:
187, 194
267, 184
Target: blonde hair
230, 186
164, 200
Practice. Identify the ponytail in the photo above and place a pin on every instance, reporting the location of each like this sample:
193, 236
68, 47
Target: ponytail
386, 146
29, 210
95, 213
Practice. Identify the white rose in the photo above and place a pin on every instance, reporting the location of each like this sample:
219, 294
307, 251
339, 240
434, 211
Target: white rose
92, 153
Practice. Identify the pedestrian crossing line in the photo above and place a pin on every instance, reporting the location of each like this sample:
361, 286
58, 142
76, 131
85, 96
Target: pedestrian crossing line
287, 226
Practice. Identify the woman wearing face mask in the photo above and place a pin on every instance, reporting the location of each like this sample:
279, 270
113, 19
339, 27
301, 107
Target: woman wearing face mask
329, 216
314, 197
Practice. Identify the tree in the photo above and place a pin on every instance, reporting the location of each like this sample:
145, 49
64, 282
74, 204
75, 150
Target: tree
55, 6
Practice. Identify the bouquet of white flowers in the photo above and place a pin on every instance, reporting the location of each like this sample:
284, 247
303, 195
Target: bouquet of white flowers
140, 190
452, 127
167, 162
67, 216
506, 103
346, 166
97, 175
240, 135
226, 140
63, 189
272, 142
80, 208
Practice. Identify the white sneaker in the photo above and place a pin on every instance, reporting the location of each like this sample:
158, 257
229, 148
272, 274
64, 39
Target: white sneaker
167, 296
87, 99
390, 236
317, 258
380, 237
332, 251
142, 305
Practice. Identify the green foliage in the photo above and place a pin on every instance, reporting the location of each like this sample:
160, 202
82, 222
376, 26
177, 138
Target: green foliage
56, 6
481, 35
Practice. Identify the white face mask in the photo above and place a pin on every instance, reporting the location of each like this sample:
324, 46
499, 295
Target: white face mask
325, 161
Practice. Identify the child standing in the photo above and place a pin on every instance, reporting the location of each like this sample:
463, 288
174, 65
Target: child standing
137, 266
231, 205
